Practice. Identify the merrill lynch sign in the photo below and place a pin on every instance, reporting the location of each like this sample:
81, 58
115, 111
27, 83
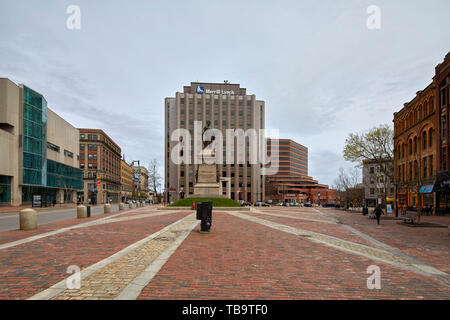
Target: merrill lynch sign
202, 90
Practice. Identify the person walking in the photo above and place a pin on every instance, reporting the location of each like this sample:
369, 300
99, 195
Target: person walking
378, 212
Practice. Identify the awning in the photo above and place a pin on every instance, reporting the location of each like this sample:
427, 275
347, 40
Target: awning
426, 189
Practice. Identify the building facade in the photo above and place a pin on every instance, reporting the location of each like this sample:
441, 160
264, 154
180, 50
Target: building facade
126, 181
39, 150
441, 81
226, 106
377, 185
100, 158
140, 174
291, 183
415, 150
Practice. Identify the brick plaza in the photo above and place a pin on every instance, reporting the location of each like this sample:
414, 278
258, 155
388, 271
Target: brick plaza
265, 253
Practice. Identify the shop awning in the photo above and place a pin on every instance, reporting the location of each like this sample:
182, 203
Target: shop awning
426, 189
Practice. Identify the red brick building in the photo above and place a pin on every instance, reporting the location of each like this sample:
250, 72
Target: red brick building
291, 182
441, 188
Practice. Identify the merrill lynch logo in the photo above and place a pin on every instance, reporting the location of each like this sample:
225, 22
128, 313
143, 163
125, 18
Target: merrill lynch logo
201, 90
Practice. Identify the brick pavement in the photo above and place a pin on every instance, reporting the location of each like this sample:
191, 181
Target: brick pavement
249, 255
35, 266
246, 260
429, 244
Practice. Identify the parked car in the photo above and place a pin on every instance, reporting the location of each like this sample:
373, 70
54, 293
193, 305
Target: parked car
261, 204
279, 204
244, 203
329, 204
307, 204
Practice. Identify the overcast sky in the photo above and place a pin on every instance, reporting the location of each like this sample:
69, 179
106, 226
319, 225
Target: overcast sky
320, 70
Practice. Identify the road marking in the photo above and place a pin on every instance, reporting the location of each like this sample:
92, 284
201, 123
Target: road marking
354, 248
293, 217
52, 233
102, 267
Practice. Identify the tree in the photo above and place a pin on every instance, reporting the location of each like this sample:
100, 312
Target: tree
347, 185
154, 178
376, 146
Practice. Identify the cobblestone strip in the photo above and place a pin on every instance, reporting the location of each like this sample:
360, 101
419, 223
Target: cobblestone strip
102, 266
134, 289
353, 248
293, 217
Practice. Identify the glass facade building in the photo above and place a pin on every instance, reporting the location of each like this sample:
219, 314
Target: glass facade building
41, 175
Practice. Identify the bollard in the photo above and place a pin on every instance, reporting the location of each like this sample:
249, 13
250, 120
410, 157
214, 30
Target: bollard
81, 212
121, 206
28, 219
107, 208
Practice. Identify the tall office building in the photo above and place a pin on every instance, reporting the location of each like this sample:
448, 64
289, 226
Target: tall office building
291, 183
226, 106
39, 150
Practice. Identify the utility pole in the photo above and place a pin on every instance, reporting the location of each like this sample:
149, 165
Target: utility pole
138, 175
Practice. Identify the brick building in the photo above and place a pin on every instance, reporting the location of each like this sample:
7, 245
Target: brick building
126, 181
100, 158
441, 81
415, 143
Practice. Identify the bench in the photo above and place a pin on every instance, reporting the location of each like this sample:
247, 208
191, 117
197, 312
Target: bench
409, 216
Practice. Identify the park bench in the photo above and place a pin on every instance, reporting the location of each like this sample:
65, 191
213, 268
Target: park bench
409, 216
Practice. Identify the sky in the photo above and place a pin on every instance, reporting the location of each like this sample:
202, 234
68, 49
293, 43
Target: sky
320, 70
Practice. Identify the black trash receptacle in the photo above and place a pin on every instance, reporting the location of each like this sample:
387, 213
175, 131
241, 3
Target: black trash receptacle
365, 211
204, 213
88, 209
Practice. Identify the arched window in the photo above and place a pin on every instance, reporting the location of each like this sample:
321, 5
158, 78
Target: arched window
430, 137
415, 145
410, 146
424, 139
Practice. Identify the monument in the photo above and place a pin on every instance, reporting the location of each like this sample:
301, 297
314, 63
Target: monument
207, 180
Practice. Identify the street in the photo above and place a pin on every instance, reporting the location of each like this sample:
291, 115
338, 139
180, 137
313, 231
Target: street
10, 220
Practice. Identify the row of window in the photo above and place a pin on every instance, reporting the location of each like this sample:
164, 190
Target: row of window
412, 168
415, 116
427, 142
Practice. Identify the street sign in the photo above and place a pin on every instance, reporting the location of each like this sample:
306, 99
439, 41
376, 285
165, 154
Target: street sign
318, 194
37, 200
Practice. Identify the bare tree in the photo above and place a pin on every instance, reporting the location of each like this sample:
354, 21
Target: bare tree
154, 178
347, 185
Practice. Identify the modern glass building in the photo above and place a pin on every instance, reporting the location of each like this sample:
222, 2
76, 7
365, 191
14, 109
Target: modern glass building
45, 159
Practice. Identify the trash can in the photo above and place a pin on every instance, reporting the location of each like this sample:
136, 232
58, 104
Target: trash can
88, 208
365, 211
204, 213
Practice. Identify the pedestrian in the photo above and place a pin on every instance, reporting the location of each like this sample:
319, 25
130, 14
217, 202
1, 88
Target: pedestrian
378, 212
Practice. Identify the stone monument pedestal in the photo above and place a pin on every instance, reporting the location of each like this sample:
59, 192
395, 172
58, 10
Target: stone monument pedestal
207, 185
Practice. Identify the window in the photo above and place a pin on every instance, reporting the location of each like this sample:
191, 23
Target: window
430, 158
82, 156
430, 137
81, 136
372, 191
372, 170
81, 146
415, 145
68, 153
90, 156
425, 167
53, 147
82, 165
410, 146
444, 159
443, 126
424, 139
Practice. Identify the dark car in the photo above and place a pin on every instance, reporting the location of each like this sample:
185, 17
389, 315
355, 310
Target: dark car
307, 204
244, 203
261, 204
330, 204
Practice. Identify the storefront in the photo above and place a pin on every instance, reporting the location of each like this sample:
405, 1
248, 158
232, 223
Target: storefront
442, 189
5, 190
